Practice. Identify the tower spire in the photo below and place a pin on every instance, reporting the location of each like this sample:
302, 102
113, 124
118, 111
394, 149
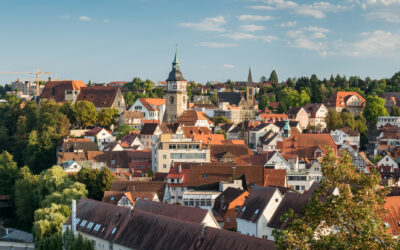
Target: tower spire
175, 63
249, 78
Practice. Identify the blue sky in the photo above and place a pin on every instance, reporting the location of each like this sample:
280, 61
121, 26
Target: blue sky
117, 40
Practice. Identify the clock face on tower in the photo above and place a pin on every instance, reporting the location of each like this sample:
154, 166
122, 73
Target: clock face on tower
171, 100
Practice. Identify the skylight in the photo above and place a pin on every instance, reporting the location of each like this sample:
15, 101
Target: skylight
114, 230
97, 227
244, 208
77, 221
256, 212
83, 223
90, 225
112, 198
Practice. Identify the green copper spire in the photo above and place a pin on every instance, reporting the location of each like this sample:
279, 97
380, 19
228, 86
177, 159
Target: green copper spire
286, 129
175, 63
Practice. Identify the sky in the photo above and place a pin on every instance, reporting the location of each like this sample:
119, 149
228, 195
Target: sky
116, 40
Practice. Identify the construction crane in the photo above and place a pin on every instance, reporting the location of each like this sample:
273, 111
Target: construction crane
37, 73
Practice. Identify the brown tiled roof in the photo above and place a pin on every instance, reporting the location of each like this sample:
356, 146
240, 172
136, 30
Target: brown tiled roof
71, 146
199, 174
225, 198
149, 128
114, 196
114, 159
149, 231
129, 138
218, 151
304, 145
107, 215
275, 177
190, 131
95, 131
100, 96
312, 108
250, 160
256, 202
185, 213
190, 117
204, 105
349, 131
133, 114
142, 186
56, 89
143, 230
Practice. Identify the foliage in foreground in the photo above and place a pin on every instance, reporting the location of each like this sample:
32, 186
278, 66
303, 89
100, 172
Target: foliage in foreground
356, 215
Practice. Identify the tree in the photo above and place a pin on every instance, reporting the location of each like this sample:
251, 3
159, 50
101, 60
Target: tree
353, 219
70, 242
220, 119
375, 107
85, 113
103, 182
395, 111
107, 117
263, 103
273, 77
8, 173
348, 119
333, 120
27, 198
123, 130
263, 79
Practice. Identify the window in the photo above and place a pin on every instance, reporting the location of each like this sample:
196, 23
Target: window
276, 200
228, 219
114, 230
97, 227
90, 225
256, 212
244, 208
164, 156
172, 180
205, 176
173, 197
83, 223
164, 165
112, 161
112, 198
77, 221
237, 208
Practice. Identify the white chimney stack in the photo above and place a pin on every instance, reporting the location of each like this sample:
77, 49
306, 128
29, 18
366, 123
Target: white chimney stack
73, 223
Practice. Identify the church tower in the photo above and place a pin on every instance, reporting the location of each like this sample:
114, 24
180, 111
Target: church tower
250, 91
175, 94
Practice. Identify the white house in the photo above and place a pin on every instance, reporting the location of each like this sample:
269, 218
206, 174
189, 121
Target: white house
346, 134
253, 217
71, 166
276, 161
317, 113
259, 131
152, 108
387, 161
101, 135
392, 120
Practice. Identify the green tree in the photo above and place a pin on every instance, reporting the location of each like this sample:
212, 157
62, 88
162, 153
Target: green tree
263, 79
375, 107
263, 103
348, 119
49, 221
395, 111
103, 182
9, 173
27, 198
4, 138
351, 220
107, 116
220, 119
273, 77
333, 120
123, 130
71, 242
85, 113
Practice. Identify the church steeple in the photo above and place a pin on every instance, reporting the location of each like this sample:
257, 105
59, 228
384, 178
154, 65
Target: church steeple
250, 78
175, 63
286, 129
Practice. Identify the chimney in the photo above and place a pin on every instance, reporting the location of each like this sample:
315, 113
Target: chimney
203, 231
49, 79
233, 172
73, 223
179, 168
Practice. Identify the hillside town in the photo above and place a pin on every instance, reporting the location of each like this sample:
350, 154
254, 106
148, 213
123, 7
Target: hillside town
179, 165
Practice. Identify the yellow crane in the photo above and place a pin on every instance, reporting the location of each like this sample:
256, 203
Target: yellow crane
37, 73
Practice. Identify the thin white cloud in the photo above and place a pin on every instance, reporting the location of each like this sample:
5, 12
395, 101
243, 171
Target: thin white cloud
215, 45
318, 35
387, 16
305, 43
294, 33
377, 44
317, 29
316, 9
85, 18
383, 2
229, 66
243, 36
106, 21
252, 27
288, 24
254, 18
207, 24
64, 17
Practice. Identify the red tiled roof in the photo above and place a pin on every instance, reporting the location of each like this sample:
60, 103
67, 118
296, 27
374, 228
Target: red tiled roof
274, 117
190, 117
95, 131
56, 89
340, 97
151, 104
275, 177
392, 205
